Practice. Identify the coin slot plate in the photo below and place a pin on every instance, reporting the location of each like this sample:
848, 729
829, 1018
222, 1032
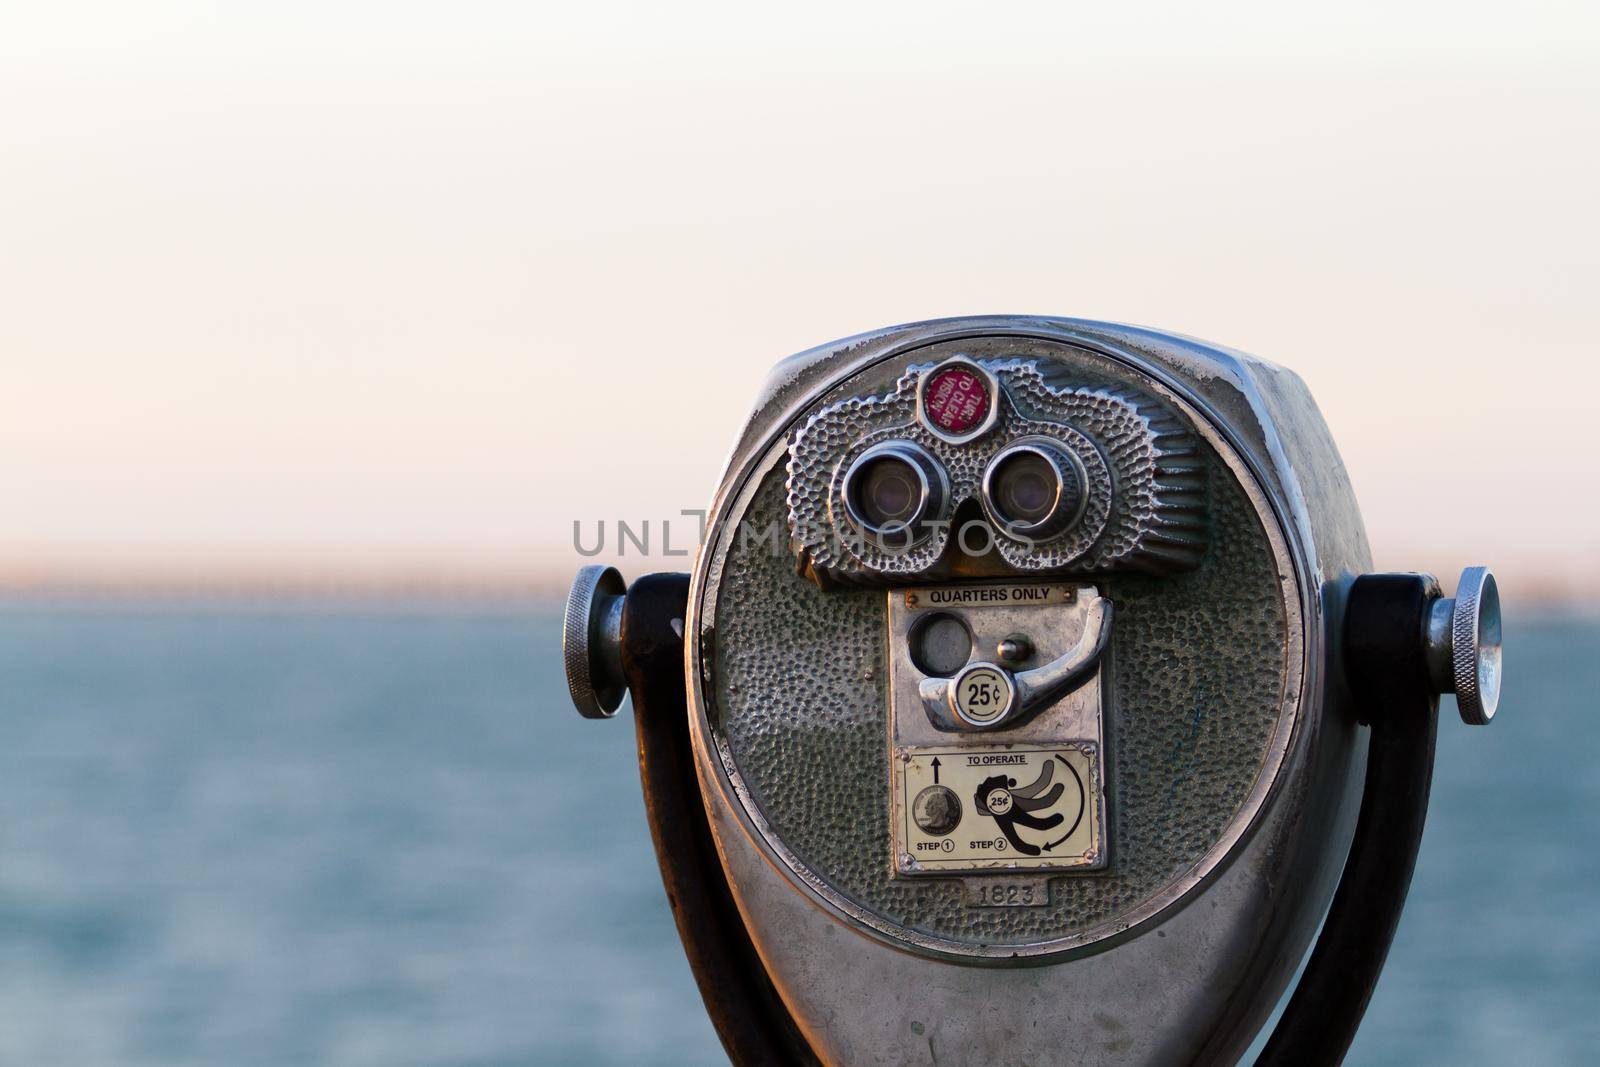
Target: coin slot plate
1068, 737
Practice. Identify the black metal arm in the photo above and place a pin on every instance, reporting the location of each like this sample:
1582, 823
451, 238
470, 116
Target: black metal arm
1385, 660
750, 1018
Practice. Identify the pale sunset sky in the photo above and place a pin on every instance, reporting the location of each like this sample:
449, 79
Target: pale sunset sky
393, 293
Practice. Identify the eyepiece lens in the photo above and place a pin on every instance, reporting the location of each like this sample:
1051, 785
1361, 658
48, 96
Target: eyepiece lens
893, 490
1033, 488
890, 491
1025, 488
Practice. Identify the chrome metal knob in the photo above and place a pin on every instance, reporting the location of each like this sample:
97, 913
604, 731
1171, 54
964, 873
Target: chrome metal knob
591, 642
1463, 645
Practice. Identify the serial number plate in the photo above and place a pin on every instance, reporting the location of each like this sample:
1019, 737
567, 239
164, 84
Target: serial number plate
1033, 807
1007, 892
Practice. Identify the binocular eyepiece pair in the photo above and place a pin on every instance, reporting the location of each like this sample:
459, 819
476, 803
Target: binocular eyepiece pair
896, 491
1031, 701
1032, 488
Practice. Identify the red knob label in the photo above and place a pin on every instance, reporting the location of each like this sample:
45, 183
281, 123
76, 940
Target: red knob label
956, 399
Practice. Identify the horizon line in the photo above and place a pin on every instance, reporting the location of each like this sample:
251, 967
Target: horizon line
1520, 587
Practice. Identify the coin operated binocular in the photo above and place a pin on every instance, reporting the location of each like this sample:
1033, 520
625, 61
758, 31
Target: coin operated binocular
1031, 702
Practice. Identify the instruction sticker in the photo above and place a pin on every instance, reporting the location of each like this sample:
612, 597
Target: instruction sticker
1002, 807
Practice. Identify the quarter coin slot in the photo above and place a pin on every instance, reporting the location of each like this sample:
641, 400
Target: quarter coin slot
941, 644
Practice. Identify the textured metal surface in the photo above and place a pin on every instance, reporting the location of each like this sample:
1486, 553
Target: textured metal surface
1197, 688
1198, 685
591, 641
1154, 521
1461, 645
1475, 646
1193, 983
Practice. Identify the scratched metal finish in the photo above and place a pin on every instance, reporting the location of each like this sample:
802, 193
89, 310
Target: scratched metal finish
798, 689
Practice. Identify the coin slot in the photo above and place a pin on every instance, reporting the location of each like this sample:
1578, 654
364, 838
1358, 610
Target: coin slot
940, 644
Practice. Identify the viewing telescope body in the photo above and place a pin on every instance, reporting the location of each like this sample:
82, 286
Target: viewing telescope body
1233, 766
1027, 667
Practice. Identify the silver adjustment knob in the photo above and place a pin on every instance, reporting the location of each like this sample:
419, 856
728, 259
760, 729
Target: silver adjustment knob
1463, 646
591, 642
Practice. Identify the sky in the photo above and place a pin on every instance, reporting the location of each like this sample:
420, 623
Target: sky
380, 294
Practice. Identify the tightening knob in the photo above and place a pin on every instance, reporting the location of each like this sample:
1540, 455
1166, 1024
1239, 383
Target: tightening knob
1462, 645
591, 640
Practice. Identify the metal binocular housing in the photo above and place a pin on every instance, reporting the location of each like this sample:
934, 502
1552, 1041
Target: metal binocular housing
1032, 701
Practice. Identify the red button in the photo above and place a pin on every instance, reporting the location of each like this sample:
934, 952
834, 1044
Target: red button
956, 399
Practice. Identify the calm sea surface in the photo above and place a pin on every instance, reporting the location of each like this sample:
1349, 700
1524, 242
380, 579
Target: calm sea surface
262, 836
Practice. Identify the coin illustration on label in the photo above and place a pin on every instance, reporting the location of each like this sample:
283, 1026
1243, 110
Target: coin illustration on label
1035, 806
937, 810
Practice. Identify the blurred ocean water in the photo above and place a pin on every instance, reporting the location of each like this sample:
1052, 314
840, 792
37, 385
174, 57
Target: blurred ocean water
271, 836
